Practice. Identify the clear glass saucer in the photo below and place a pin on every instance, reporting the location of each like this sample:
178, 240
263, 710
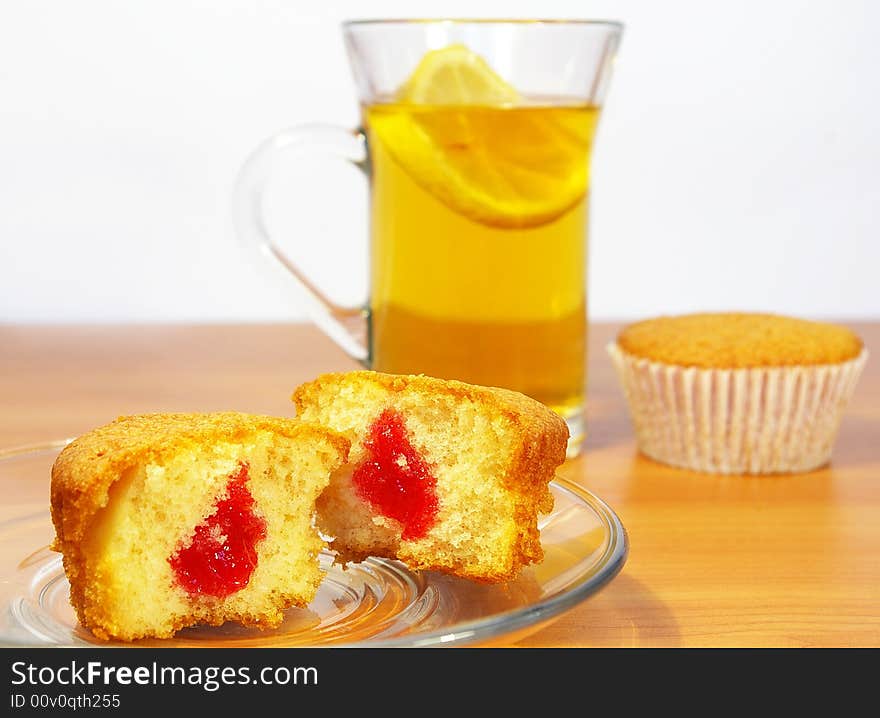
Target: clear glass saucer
374, 603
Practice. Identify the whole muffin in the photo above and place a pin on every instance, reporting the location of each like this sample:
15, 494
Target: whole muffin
737, 393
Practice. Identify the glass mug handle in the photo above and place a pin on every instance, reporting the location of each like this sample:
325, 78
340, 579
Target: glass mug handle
347, 326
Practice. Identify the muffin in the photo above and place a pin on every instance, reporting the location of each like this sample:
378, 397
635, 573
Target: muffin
737, 393
168, 520
443, 475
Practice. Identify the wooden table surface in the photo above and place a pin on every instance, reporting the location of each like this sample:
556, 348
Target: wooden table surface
714, 561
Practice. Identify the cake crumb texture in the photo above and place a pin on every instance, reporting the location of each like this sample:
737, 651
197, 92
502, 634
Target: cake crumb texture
738, 341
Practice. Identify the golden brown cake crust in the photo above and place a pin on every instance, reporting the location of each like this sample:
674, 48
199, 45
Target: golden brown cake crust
738, 340
86, 469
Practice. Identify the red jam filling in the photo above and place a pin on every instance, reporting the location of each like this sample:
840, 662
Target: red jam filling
395, 480
222, 554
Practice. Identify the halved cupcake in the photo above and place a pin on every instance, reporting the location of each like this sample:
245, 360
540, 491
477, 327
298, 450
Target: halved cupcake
169, 520
442, 475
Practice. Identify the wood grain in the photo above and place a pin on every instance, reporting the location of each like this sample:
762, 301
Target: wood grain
714, 561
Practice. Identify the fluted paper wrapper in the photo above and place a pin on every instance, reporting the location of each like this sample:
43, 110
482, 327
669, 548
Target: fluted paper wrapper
737, 421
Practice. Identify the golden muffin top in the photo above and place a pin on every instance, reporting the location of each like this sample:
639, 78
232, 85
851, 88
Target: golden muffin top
735, 341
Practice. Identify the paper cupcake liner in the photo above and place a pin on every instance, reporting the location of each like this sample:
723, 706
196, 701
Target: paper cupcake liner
737, 421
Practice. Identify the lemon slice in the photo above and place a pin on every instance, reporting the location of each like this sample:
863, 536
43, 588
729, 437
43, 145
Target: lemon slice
464, 135
456, 76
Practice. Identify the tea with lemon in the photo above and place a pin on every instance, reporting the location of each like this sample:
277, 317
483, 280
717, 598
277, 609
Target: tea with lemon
479, 213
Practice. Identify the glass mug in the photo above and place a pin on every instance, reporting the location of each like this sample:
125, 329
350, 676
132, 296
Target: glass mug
476, 138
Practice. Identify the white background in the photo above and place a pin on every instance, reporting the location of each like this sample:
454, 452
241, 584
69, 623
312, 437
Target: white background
737, 164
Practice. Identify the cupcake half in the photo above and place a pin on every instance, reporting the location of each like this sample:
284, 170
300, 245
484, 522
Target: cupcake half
737, 393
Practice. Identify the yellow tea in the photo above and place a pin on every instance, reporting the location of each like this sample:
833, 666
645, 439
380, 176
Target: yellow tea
478, 260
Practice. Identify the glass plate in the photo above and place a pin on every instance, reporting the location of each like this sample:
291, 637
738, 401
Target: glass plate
374, 603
